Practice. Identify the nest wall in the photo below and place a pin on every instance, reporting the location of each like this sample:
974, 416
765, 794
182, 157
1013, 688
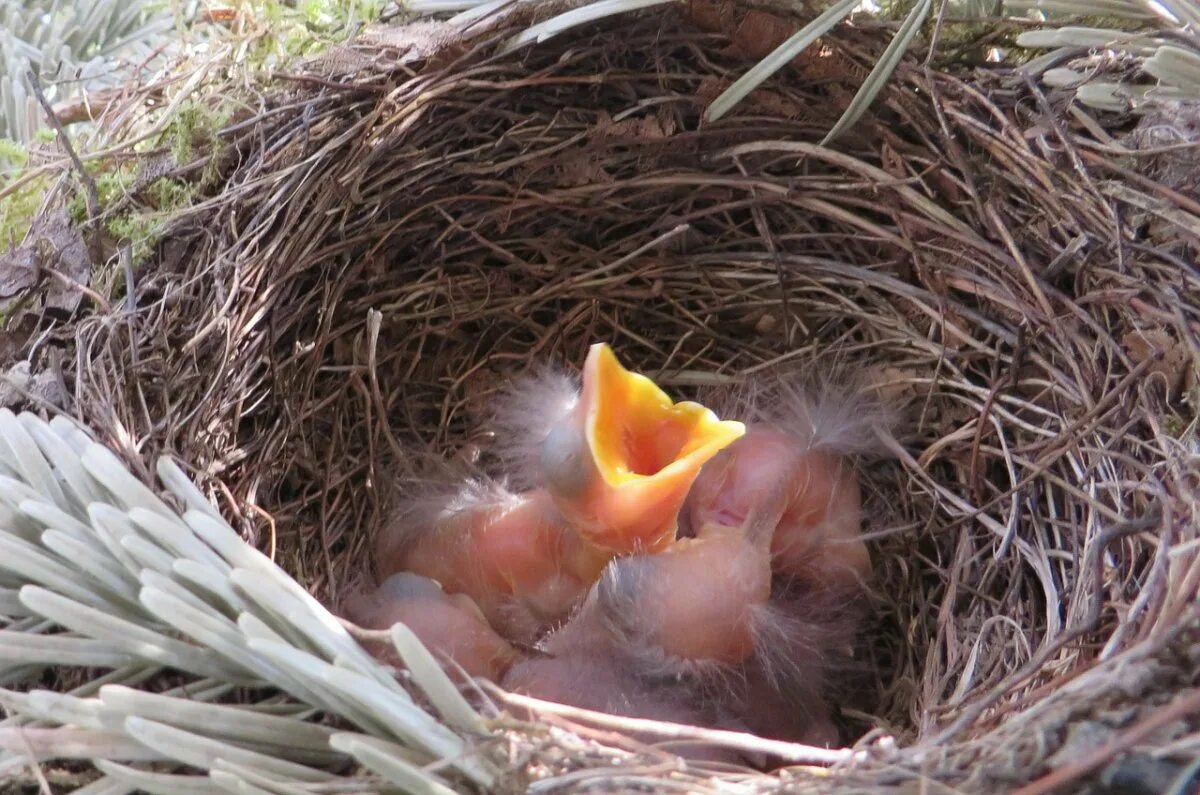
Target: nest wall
394, 235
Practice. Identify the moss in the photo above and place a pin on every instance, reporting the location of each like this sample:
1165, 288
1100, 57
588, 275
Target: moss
295, 28
111, 186
193, 126
142, 223
143, 231
308, 27
114, 185
12, 154
18, 209
962, 41
143, 226
169, 195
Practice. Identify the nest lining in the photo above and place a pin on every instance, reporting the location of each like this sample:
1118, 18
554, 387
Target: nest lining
393, 238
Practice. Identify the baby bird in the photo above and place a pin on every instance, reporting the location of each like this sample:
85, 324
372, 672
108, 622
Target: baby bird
450, 625
665, 563
701, 600
690, 635
513, 554
617, 457
817, 533
793, 458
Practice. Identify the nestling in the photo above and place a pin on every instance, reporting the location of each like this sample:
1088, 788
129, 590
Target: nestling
618, 456
448, 624
513, 554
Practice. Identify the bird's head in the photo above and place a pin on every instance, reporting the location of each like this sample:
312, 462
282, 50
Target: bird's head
620, 465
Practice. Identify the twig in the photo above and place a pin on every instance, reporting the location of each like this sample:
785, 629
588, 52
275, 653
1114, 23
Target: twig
91, 192
1182, 707
791, 752
125, 254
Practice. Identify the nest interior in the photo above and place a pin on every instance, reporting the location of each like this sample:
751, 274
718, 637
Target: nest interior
412, 218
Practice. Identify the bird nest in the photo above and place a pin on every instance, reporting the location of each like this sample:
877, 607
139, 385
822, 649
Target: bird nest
393, 229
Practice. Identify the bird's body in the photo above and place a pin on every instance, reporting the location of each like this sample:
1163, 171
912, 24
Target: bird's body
658, 563
450, 625
693, 635
699, 600
815, 531
513, 554
609, 465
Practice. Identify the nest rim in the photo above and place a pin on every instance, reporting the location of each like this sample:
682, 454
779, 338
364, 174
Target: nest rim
934, 254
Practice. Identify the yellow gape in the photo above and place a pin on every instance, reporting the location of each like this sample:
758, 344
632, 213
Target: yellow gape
621, 465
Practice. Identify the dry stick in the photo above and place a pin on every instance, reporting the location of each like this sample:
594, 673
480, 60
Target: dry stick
1182, 707
1174, 196
35, 767
125, 254
88, 107
91, 192
374, 320
971, 713
792, 752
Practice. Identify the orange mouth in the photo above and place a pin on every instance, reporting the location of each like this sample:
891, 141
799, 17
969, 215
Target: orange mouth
645, 452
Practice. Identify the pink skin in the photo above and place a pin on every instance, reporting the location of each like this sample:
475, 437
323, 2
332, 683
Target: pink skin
682, 636
815, 530
699, 599
734, 627
450, 625
517, 559
585, 666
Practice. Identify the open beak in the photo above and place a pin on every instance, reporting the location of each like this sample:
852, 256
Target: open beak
641, 452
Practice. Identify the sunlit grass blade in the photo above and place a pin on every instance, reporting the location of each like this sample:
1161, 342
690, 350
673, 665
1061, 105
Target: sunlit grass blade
404, 719
39, 744
1107, 38
1176, 67
226, 772
234, 723
198, 751
882, 71
781, 56
1126, 9
108, 470
576, 17
179, 484
103, 570
17, 445
147, 644
1185, 11
35, 565
158, 783
432, 679
22, 647
379, 757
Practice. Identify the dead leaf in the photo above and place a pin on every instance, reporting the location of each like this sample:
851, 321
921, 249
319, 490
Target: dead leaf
709, 89
759, 33
1174, 363
20, 382
653, 127
54, 241
894, 385
416, 41
582, 168
761, 101
892, 162
821, 63
18, 273
710, 16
